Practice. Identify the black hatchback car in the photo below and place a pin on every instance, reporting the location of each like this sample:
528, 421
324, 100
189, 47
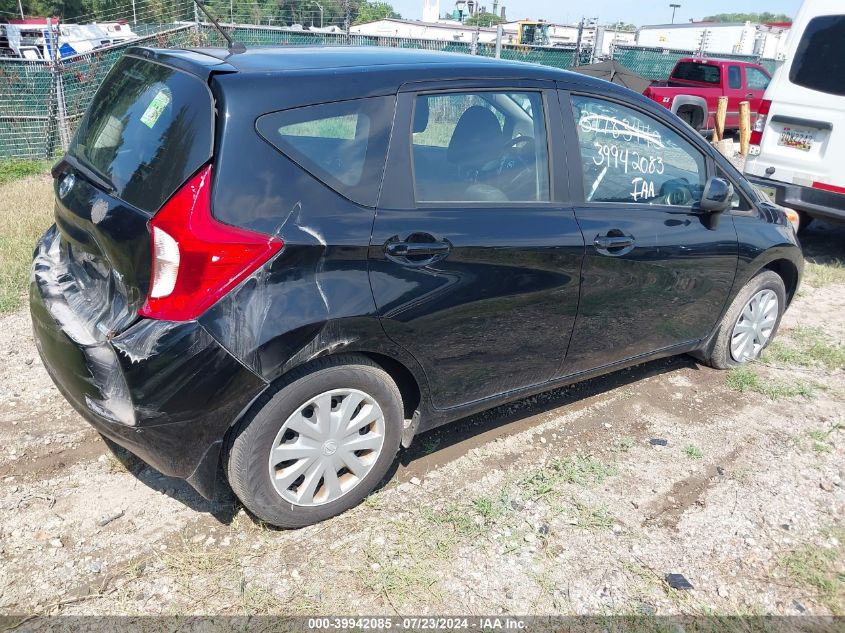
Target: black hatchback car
288, 262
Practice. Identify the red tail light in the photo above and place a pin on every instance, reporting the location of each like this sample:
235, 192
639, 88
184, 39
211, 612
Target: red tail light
196, 259
760, 123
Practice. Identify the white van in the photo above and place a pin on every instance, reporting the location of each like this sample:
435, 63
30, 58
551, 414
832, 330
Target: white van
797, 154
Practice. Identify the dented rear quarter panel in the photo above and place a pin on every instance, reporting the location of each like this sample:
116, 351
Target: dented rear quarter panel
314, 298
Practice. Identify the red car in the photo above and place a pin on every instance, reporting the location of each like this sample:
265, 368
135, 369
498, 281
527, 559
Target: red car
695, 85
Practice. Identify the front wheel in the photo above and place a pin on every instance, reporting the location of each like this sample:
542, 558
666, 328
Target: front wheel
750, 323
319, 444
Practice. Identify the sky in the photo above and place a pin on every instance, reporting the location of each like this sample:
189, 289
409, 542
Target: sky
637, 12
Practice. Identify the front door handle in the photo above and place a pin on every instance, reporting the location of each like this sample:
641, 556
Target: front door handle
608, 242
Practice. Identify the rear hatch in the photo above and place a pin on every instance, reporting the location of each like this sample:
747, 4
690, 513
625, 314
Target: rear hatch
802, 119
149, 128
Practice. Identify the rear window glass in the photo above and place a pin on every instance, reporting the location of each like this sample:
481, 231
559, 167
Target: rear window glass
819, 62
343, 144
149, 128
702, 73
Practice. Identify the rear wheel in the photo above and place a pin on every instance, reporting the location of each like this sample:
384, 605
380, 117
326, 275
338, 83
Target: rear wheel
750, 323
319, 444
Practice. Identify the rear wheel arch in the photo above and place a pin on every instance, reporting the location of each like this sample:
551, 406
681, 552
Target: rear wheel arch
406, 381
691, 109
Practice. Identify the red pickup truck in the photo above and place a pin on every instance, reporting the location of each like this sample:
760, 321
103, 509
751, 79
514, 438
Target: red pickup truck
695, 85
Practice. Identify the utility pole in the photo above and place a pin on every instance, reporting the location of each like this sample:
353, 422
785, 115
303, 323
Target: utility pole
347, 16
320, 6
674, 7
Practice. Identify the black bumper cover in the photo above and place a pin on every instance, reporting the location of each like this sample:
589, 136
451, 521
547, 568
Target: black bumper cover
165, 391
817, 203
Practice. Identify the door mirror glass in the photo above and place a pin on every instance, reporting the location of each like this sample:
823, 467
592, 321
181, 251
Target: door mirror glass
718, 195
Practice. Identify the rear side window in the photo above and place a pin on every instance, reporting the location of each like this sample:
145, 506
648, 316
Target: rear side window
702, 73
343, 144
487, 146
756, 79
819, 62
149, 128
734, 78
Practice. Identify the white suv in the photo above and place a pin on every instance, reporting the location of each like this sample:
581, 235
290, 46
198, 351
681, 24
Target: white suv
797, 155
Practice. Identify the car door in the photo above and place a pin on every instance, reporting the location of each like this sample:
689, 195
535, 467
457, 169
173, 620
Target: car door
475, 255
734, 90
657, 270
756, 82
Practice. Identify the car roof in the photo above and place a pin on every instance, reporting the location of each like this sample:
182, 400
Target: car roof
351, 59
264, 58
341, 72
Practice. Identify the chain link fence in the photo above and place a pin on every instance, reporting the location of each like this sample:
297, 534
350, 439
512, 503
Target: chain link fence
657, 63
41, 101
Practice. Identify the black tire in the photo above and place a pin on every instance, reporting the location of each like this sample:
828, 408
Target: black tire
720, 352
249, 443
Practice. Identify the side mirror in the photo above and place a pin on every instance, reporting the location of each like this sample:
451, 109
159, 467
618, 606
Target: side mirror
718, 195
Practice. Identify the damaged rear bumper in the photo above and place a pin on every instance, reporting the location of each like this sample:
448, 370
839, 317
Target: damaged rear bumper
166, 391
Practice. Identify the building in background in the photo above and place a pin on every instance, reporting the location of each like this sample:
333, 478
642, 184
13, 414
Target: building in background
450, 30
740, 38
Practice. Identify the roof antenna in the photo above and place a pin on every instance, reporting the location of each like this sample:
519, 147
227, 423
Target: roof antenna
234, 47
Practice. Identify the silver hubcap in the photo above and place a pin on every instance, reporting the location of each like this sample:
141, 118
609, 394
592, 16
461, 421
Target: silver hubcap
754, 327
326, 447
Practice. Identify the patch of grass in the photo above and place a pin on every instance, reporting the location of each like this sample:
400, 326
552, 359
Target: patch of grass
821, 440
807, 347
11, 170
491, 509
578, 470
26, 210
816, 567
693, 452
623, 444
744, 379
593, 518
824, 273
398, 580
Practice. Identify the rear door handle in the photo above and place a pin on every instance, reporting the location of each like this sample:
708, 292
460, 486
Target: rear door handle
408, 249
417, 250
606, 242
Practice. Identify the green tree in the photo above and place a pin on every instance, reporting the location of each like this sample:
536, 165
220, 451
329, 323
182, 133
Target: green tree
483, 19
748, 17
372, 11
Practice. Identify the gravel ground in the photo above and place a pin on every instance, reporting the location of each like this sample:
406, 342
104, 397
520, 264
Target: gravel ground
579, 501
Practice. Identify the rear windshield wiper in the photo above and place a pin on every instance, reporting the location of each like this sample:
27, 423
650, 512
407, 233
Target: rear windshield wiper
89, 173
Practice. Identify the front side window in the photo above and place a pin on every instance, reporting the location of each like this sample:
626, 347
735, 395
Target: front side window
480, 147
819, 62
756, 79
734, 78
343, 144
629, 157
